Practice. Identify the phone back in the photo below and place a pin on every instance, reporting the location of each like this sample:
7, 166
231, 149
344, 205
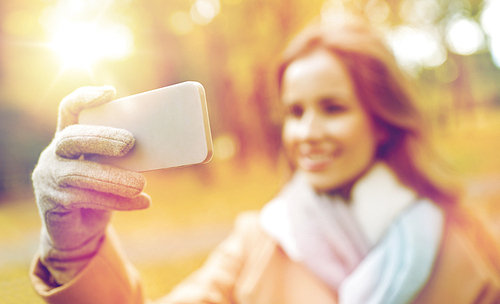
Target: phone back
170, 126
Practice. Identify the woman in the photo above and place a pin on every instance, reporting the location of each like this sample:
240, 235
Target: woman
362, 220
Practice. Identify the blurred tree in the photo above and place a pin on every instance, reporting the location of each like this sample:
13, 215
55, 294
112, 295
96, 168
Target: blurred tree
22, 139
231, 47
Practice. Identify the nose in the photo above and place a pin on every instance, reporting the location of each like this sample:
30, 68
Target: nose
310, 126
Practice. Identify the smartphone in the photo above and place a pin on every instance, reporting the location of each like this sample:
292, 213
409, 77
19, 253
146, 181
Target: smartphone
170, 126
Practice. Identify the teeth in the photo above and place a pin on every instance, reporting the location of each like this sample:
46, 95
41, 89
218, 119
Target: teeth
318, 156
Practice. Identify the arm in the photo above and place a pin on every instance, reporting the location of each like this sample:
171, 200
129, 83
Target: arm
216, 280
79, 261
76, 197
108, 277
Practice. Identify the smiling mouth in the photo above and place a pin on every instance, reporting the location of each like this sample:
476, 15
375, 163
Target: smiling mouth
315, 162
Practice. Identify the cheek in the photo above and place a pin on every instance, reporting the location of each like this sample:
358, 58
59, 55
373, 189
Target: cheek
359, 133
291, 131
346, 128
354, 131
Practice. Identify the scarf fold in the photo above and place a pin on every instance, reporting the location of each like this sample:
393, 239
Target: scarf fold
378, 248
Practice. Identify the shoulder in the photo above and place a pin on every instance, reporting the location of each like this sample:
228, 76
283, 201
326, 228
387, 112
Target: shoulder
471, 236
247, 227
245, 238
467, 269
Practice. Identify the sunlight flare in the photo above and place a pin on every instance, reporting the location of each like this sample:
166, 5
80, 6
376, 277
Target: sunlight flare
82, 33
464, 36
83, 44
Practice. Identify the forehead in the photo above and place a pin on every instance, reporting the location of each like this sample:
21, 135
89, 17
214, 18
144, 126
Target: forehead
317, 73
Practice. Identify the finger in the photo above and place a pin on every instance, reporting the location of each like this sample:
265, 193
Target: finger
99, 177
81, 98
76, 140
81, 198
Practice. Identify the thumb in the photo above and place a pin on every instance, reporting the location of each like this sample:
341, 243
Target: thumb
81, 98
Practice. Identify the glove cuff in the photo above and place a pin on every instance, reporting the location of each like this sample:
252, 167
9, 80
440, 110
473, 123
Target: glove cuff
64, 265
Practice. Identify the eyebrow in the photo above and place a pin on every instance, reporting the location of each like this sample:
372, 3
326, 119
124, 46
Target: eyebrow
288, 102
321, 101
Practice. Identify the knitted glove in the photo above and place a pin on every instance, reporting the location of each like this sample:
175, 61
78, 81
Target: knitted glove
75, 196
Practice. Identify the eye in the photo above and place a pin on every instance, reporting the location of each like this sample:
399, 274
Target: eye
295, 111
331, 107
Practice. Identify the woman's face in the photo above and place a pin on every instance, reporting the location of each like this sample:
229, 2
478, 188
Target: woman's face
327, 132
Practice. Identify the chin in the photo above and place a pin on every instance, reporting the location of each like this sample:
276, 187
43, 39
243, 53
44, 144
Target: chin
323, 182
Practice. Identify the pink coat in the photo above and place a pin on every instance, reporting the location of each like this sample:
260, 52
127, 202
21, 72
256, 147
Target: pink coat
249, 267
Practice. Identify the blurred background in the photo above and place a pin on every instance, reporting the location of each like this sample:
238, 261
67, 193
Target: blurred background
48, 48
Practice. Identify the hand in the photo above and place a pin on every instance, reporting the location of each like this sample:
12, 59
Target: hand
75, 196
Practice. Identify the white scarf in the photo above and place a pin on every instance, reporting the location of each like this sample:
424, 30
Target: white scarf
378, 248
